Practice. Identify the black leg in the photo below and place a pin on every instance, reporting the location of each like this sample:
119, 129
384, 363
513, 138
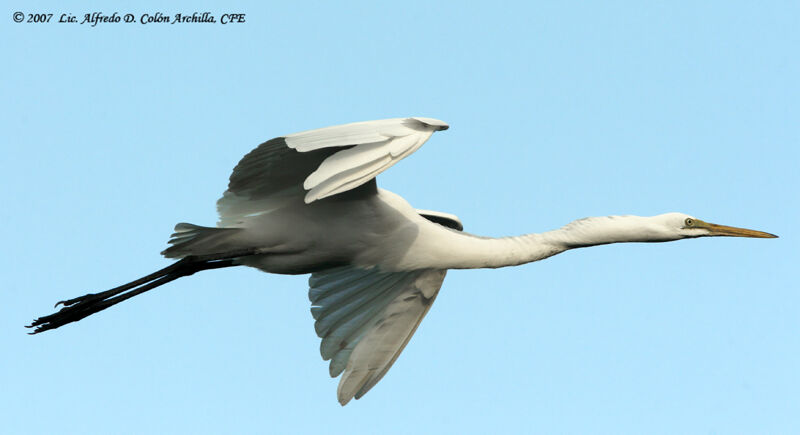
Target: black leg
77, 308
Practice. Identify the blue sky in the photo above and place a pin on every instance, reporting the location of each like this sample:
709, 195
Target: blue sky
558, 111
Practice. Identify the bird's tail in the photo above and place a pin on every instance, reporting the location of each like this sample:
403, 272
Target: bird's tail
190, 239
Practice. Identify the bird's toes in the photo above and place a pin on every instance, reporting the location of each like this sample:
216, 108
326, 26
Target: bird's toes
85, 298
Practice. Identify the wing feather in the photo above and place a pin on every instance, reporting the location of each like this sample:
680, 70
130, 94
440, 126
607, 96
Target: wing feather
365, 318
319, 163
346, 159
345, 314
360, 133
341, 326
348, 179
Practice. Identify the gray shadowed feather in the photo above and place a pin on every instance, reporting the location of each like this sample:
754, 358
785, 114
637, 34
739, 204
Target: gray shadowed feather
365, 318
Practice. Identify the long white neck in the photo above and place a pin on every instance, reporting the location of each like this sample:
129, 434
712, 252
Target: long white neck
441, 248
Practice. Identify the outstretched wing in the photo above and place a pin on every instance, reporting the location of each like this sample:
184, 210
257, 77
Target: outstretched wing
365, 319
316, 164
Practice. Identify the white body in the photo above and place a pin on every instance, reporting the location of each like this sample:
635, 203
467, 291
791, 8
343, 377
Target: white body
308, 203
392, 236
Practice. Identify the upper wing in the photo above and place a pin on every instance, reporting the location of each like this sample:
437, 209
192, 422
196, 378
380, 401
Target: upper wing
320, 163
365, 318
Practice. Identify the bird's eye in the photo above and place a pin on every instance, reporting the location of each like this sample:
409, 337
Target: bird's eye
689, 222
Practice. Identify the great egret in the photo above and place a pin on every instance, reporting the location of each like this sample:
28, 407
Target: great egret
308, 203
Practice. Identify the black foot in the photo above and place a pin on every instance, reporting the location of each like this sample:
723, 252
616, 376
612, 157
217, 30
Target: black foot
77, 308
74, 310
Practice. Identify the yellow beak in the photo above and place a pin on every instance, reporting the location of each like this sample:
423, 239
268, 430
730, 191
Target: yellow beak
724, 230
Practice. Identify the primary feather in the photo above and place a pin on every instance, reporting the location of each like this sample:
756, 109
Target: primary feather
365, 318
373, 147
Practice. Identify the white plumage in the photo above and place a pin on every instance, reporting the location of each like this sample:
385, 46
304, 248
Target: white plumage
376, 146
308, 203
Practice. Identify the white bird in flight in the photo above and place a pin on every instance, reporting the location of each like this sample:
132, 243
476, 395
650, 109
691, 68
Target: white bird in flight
308, 203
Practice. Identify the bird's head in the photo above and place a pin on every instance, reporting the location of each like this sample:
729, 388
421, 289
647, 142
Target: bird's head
683, 226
